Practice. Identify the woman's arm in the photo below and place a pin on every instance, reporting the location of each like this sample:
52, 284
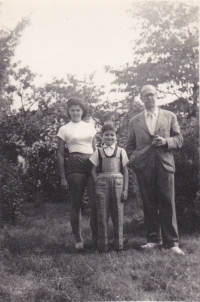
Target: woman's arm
60, 159
94, 144
94, 173
125, 180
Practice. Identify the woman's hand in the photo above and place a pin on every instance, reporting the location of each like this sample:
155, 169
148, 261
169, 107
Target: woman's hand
94, 174
124, 195
64, 184
60, 158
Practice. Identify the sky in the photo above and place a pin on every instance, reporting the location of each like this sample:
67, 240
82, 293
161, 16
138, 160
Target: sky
78, 37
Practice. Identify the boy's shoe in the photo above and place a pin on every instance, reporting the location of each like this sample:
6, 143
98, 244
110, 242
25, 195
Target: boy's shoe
125, 241
177, 250
100, 251
151, 245
79, 246
104, 249
95, 244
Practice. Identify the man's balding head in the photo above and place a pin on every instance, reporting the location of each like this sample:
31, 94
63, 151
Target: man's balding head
146, 89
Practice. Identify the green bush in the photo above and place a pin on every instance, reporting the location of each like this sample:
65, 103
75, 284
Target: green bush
41, 180
187, 175
11, 191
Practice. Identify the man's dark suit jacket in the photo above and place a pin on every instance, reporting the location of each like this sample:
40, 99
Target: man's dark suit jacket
139, 143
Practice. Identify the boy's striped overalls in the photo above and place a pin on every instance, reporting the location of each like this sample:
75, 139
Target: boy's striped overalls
109, 188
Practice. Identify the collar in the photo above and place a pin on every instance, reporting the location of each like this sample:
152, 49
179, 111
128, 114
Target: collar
112, 146
155, 113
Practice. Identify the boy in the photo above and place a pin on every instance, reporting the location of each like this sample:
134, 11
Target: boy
110, 175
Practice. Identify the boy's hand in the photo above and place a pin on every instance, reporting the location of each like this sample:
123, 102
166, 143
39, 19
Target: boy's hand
64, 184
95, 180
124, 195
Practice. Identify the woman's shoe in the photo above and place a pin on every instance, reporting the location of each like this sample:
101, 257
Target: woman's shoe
79, 246
151, 245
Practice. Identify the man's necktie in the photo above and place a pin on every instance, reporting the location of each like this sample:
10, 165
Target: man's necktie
150, 116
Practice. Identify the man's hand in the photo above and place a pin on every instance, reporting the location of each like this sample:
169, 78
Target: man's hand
159, 141
124, 195
131, 157
64, 184
95, 180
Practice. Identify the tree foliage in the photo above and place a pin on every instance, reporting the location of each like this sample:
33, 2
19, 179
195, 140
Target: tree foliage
8, 42
166, 50
9, 39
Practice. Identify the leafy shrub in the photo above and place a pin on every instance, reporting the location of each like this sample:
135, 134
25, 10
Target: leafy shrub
193, 215
41, 180
11, 191
187, 173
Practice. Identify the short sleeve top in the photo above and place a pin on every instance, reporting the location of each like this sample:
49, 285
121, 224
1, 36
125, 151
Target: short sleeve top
78, 136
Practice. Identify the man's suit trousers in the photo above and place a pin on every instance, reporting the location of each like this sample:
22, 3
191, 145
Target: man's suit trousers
157, 189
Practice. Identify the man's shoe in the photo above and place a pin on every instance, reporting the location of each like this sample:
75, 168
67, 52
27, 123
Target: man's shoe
151, 245
79, 246
118, 250
177, 250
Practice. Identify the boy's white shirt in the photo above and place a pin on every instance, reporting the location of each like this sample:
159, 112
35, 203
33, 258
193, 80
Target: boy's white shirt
109, 150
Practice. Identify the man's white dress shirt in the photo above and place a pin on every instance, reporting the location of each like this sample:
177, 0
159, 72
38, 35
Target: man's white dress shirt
151, 120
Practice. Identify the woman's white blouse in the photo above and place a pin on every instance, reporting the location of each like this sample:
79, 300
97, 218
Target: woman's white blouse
78, 136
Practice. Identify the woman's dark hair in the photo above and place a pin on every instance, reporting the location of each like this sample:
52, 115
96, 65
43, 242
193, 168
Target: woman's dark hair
76, 102
108, 126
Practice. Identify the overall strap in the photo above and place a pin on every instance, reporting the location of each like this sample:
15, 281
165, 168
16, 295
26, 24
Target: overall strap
119, 155
121, 166
100, 161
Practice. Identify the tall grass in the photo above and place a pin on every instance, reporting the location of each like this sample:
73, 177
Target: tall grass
38, 262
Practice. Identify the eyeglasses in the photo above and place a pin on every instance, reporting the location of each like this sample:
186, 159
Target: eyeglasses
146, 96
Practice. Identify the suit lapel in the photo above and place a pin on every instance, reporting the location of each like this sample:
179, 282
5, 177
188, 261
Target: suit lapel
142, 123
161, 120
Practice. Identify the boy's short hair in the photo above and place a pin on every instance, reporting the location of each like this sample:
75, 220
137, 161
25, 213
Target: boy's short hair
108, 126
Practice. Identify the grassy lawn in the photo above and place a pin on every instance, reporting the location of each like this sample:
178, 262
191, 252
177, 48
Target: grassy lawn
38, 263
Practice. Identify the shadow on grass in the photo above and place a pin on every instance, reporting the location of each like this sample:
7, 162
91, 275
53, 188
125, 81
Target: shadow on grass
36, 245
45, 231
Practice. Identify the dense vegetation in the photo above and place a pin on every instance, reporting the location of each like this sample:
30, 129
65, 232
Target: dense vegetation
165, 55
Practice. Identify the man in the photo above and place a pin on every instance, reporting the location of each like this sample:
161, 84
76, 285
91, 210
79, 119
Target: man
152, 135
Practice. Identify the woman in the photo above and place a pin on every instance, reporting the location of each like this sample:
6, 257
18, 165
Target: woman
78, 136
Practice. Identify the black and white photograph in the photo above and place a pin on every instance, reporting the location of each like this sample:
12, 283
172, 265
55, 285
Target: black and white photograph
99, 151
